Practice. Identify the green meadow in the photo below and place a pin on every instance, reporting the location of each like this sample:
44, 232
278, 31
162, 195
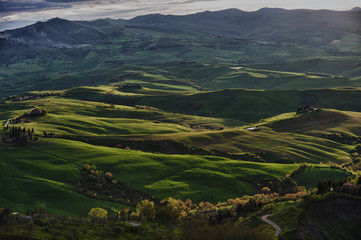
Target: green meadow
46, 172
309, 176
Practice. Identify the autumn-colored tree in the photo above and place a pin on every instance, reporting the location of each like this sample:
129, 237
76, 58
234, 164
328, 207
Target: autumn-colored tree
97, 213
266, 190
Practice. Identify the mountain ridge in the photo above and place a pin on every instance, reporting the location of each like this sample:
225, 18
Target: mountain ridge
265, 24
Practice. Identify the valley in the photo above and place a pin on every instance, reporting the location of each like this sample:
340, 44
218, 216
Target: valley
215, 114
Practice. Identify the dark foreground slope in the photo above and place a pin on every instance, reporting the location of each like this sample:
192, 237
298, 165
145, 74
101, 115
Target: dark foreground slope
330, 218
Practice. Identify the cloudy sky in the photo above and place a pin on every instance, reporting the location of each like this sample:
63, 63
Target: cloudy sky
17, 13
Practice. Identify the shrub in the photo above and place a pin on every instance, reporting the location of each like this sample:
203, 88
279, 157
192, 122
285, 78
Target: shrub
124, 214
266, 190
97, 213
146, 210
40, 208
169, 211
86, 167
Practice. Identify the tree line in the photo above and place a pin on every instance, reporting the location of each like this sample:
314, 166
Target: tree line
18, 135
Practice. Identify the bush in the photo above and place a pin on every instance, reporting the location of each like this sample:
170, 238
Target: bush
124, 214
168, 211
146, 210
97, 213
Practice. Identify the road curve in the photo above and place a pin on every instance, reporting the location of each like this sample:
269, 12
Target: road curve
278, 229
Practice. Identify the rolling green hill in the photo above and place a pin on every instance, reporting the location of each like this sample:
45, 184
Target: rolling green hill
53, 164
227, 49
199, 107
318, 123
310, 176
30, 172
253, 105
347, 67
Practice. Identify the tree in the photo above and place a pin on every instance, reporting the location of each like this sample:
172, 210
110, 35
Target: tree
168, 211
97, 213
266, 190
146, 210
124, 214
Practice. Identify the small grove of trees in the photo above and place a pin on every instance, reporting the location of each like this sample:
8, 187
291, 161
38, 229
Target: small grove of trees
172, 211
283, 185
356, 158
18, 135
16, 98
305, 109
34, 112
97, 184
167, 211
345, 139
349, 186
110, 227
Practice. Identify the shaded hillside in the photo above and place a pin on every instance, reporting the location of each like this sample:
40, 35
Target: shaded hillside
240, 104
265, 24
320, 122
333, 218
56, 32
350, 66
253, 105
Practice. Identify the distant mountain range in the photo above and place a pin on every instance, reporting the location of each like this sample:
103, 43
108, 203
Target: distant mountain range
271, 24
267, 24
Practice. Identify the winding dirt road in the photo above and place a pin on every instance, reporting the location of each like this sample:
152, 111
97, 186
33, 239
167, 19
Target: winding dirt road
278, 229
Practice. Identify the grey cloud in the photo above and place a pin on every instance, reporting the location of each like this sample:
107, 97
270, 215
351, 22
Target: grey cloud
68, 1
8, 6
21, 6
194, 1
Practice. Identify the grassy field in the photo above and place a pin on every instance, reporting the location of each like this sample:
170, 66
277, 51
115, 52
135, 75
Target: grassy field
240, 104
71, 116
52, 165
299, 138
318, 123
294, 147
309, 176
30, 173
341, 66
209, 67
